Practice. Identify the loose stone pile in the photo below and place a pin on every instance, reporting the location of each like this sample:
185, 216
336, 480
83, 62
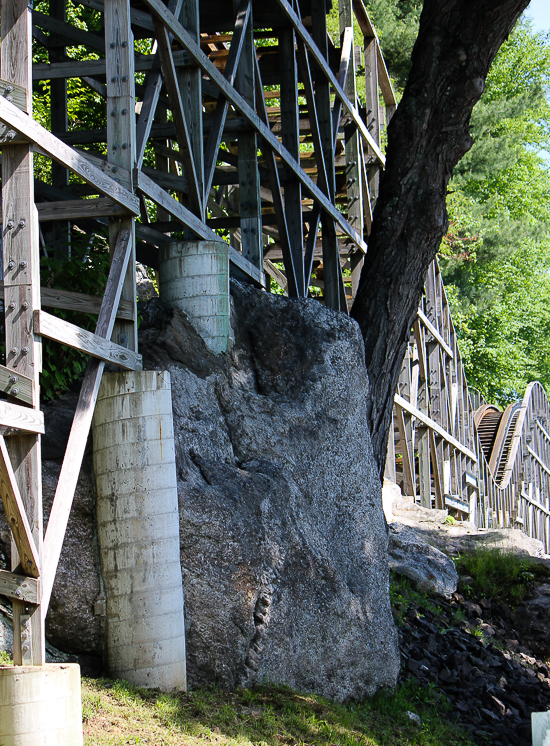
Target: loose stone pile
478, 660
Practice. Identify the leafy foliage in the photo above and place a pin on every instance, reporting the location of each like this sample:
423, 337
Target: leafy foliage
495, 258
86, 272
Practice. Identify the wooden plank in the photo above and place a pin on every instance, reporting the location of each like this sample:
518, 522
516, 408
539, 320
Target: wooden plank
65, 155
175, 208
16, 515
369, 32
246, 265
21, 418
71, 34
220, 113
151, 95
96, 68
190, 87
276, 193
22, 281
404, 404
194, 189
121, 142
76, 445
82, 303
68, 334
290, 117
433, 331
73, 209
19, 587
325, 132
183, 37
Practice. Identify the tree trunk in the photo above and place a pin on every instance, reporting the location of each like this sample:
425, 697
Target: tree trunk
457, 41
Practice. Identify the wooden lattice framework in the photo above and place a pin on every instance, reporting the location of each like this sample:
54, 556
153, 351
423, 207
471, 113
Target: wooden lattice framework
452, 450
268, 143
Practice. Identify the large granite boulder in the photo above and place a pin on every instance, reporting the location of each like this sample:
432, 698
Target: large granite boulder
283, 540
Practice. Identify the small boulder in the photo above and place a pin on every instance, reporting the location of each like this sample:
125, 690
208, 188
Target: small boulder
426, 566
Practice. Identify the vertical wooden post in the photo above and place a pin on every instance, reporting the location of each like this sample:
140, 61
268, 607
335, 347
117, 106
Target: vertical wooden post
249, 176
58, 233
21, 299
331, 256
373, 109
353, 145
121, 138
290, 126
189, 79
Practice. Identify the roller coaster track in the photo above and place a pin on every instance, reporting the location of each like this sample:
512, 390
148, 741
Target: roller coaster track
453, 450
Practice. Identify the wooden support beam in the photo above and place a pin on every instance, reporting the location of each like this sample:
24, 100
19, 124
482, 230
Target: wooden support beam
290, 117
17, 516
71, 34
23, 353
78, 208
65, 155
190, 88
194, 189
220, 113
25, 419
429, 422
76, 445
96, 68
68, 334
276, 193
121, 143
19, 587
81, 303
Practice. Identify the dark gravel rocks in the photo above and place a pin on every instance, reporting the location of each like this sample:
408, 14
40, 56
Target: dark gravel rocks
487, 671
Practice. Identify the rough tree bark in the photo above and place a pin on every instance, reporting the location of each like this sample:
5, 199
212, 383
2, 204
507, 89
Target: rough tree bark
457, 41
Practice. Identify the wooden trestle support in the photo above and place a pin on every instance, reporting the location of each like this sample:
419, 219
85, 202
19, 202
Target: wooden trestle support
264, 141
250, 113
452, 450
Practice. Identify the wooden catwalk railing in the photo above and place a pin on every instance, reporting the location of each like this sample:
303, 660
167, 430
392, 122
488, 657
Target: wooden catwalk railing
236, 120
452, 450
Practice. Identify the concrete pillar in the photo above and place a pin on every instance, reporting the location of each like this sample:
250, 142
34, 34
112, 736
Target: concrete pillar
194, 277
138, 529
40, 705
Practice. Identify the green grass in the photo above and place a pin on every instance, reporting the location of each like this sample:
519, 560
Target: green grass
500, 576
404, 595
116, 713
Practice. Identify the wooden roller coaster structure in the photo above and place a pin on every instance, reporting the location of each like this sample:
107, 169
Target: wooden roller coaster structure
222, 119
453, 450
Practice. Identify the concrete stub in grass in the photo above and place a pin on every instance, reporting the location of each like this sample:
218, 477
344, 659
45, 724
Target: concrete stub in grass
540, 728
138, 529
194, 277
40, 705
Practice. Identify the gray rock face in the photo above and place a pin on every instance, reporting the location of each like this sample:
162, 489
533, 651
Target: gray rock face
283, 541
426, 566
282, 533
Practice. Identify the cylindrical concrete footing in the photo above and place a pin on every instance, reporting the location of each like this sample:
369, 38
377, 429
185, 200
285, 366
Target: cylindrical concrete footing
138, 529
194, 276
40, 705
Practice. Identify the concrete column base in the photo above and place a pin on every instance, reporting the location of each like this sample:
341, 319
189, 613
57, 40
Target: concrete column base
40, 705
